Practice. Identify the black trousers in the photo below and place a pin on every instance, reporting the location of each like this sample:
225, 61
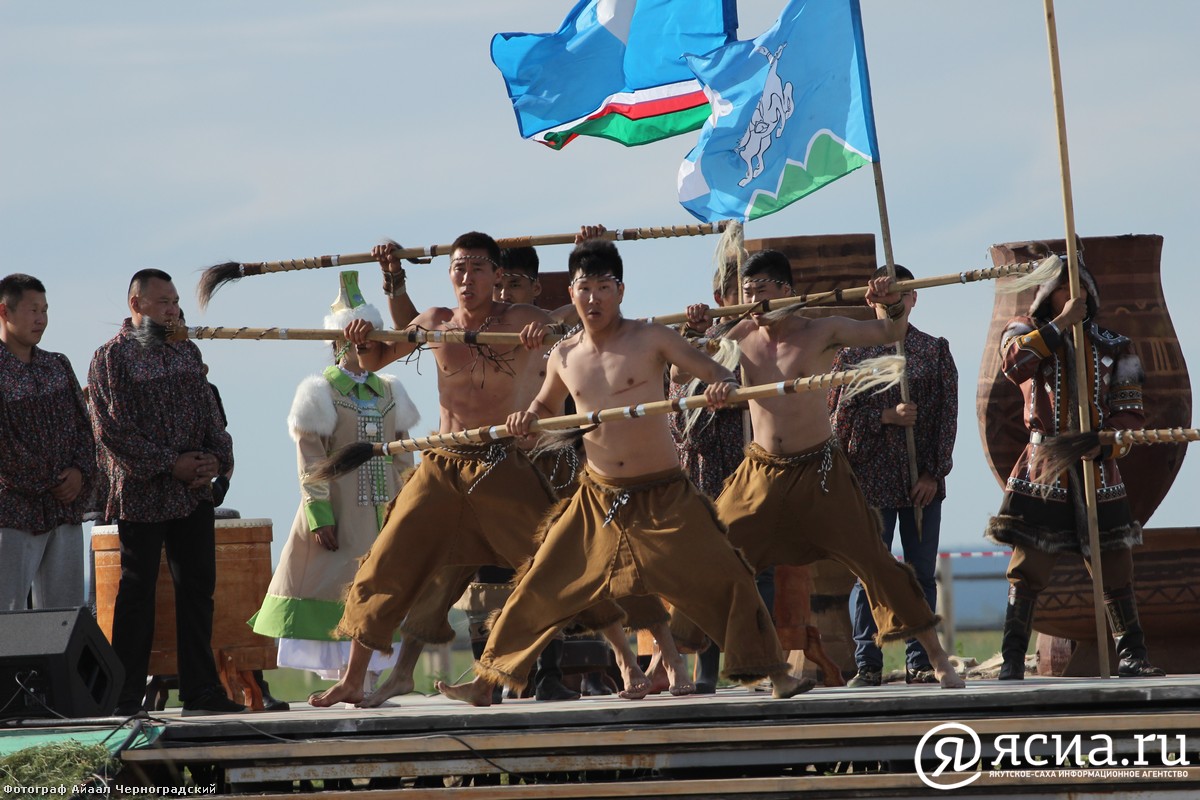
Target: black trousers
192, 559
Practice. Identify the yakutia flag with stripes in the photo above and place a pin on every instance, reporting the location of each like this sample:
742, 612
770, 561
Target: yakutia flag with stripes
614, 69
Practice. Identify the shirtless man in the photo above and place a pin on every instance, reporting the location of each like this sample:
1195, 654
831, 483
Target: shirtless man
636, 525
520, 283
463, 506
794, 470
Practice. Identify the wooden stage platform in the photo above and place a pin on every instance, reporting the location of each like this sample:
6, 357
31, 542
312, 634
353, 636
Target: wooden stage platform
738, 743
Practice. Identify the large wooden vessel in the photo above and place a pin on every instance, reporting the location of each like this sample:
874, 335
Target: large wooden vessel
1126, 269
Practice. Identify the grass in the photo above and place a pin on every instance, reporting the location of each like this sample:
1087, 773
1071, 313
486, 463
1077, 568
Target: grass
57, 766
980, 645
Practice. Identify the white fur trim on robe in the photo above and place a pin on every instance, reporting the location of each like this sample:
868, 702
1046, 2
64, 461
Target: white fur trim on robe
312, 408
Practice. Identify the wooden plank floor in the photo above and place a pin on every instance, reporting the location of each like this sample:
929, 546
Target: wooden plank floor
738, 743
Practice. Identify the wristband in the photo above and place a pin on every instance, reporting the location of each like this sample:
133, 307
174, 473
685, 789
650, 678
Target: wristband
895, 310
395, 283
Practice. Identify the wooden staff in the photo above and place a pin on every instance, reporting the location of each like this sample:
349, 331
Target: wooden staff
179, 333
1056, 454
220, 274
859, 292
1078, 337
878, 374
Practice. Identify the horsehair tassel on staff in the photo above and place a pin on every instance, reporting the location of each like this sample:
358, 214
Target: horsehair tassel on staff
1042, 269
179, 333
872, 374
1056, 454
217, 276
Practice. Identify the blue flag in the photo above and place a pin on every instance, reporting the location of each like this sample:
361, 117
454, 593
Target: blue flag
790, 113
614, 69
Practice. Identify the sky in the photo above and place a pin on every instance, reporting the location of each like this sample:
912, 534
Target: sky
179, 135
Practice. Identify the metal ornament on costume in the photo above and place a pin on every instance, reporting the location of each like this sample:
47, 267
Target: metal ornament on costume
348, 306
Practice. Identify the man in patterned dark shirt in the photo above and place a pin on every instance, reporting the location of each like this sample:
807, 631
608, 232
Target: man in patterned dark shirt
49, 458
161, 441
871, 429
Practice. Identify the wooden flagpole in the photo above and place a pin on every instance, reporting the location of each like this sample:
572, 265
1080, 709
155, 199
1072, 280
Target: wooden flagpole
910, 439
1080, 343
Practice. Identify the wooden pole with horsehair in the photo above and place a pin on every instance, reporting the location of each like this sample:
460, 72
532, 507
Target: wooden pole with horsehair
179, 333
1057, 453
218, 275
910, 439
878, 374
1034, 268
1080, 343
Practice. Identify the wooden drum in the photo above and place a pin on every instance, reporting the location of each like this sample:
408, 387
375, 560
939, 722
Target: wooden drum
243, 573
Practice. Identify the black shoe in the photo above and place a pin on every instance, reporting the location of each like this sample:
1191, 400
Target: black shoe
866, 677
1137, 668
553, 691
705, 687
920, 675
213, 702
129, 708
274, 704
593, 685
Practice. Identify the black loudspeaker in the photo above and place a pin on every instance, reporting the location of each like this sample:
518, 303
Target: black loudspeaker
56, 660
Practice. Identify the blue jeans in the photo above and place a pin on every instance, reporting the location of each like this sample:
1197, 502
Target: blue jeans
922, 557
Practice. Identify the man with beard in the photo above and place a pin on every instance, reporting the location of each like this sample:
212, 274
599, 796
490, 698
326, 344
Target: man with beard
161, 441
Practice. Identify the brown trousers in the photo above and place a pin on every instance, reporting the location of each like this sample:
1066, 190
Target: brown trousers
662, 538
1029, 569
777, 514
456, 510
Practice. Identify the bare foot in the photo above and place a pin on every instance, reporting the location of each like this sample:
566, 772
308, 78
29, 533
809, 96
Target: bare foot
637, 685
947, 676
784, 685
477, 692
397, 683
676, 670
340, 692
657, 674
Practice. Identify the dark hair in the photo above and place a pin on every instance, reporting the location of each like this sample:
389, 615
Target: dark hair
144, 276
474, 240
520, 259
13, 288
595, 257
902, 273
770, 264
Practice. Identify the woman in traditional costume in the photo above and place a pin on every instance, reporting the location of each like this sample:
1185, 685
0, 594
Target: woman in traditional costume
338, 519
